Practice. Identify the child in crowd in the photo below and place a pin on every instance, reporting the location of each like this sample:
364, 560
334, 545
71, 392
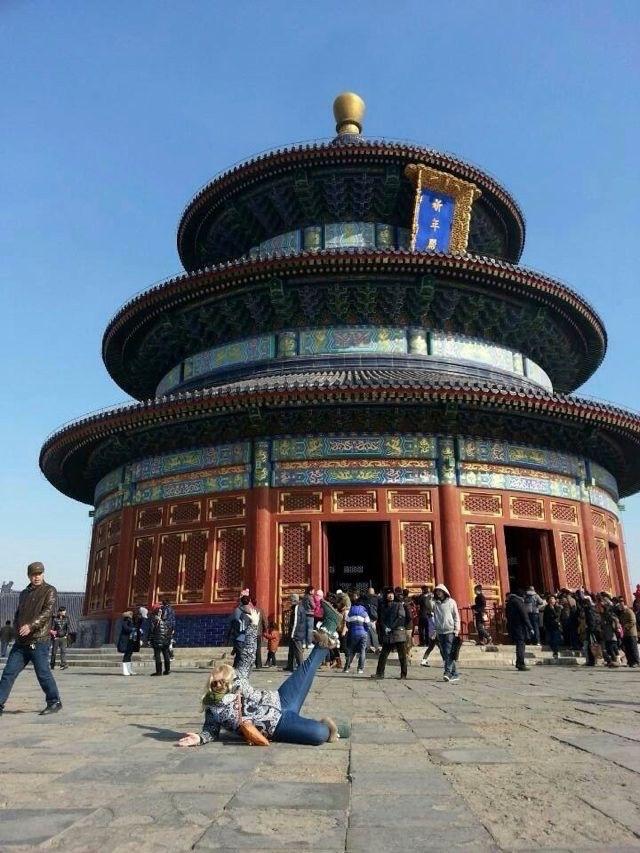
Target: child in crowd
272, 636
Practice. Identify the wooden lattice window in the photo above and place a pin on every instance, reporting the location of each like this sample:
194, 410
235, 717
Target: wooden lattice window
229, 562
481, 503
294, 559
532, 508
355, 502
612, 527
406, 501
187, 512
169, 560
597, 519
110, 577
565, 513
482, 555
101, 534
114, 527
301, 502
143, 556
195, 548
602, 562
96, 579
571, 560
227, 506
416, 543
149, 517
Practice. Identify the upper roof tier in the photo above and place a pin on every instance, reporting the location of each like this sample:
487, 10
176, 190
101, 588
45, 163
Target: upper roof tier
347, 179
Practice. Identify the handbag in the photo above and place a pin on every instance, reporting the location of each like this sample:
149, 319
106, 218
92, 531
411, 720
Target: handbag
250, 733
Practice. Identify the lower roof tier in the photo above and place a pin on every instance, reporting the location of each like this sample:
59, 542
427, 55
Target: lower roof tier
365, 402
475, 297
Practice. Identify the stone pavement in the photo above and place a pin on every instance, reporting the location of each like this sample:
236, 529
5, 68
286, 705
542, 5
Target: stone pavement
548, 759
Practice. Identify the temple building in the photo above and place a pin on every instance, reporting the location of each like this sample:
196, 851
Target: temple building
352, 384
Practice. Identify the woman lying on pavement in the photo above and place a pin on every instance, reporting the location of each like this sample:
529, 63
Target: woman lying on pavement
231, 700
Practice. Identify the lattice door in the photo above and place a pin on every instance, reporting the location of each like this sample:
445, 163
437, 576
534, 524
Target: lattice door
416, 544
482, 558
96, 578
169, 567
294, 559
110, 577
194, 566
229, 562
571, 560
143, 558
602, 557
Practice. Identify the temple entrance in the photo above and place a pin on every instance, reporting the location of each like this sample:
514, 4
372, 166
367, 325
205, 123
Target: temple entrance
357, 555
529, 559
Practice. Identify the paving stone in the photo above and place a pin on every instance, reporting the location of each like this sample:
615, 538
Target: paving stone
481, 755
274, 829
33, 826
442, 729
289, 795
398, 839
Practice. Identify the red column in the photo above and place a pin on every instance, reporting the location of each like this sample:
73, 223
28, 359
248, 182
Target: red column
591, 575
261, 577
454, 556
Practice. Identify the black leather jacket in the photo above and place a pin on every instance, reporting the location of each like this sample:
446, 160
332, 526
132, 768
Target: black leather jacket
160, 632
61, 626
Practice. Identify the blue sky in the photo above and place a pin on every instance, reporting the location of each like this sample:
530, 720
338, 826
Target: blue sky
113, 114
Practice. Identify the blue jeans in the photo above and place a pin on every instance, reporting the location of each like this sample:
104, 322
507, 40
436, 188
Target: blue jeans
293, 728
534, 618
446, 650
19, 657
357, 646
4, 645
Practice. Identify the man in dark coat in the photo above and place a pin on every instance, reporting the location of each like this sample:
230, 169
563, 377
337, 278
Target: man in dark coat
32, 624
298, 631
394, 620
60, 638
519, 626
159, 640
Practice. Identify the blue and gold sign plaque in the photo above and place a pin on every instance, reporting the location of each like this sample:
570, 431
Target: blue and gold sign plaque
442, 211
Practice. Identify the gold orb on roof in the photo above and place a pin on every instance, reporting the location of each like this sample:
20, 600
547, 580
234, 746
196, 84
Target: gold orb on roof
348, 109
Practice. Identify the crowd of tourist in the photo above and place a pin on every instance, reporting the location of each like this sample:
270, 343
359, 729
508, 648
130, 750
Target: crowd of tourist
350, 623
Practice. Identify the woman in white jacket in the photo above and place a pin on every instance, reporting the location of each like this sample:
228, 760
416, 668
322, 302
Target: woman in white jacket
447, 624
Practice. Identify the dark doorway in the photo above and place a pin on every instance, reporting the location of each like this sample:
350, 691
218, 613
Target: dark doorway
529, 559
357, 555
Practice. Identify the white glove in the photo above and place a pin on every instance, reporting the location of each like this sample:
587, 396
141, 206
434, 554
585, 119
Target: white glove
254, 618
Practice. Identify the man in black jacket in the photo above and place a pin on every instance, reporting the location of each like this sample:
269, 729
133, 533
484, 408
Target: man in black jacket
32, 624
393, 621
159, 639
60, 638
519, 626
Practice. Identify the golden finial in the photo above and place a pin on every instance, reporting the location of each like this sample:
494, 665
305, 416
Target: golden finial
348, 109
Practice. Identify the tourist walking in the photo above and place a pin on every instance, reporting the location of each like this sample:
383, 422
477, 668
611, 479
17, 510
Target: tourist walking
370, 602
6, 637
358, 623
59, 638
32, 623
610, 628
588, 628
393, 623
238, 626
447, 625
518, 625
272, 636
425, 612
261, 629
230, 702
169, 616
629, 633
308, 603
159, 639
297, 634
533, 603
552, 622
143, 625
480, 616
128, 641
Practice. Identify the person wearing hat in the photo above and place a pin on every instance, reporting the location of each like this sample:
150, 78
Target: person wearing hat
32, 624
